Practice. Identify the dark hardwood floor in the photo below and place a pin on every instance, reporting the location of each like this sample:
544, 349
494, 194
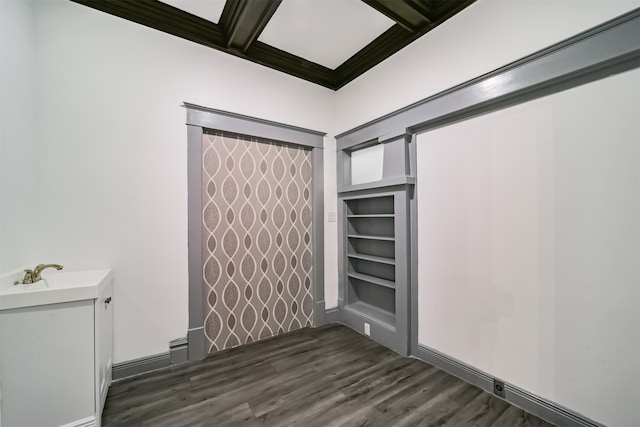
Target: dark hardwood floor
329, 376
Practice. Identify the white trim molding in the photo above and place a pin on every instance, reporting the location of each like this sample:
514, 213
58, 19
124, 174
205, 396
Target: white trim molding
85, 422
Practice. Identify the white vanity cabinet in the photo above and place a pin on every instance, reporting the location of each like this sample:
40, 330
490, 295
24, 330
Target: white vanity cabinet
56, 358
103, 310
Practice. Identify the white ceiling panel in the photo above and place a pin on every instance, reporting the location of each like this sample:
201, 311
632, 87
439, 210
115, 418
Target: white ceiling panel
207, 9
327, 32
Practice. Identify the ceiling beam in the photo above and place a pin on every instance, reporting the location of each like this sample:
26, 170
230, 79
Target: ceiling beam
163, 17
286, 62
242, 42
244, 20
160, 16
406, 13
390, 42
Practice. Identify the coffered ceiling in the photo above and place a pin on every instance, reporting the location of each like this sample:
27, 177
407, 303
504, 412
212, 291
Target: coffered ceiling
327, 42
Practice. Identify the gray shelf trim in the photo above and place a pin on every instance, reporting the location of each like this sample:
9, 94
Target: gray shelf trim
389, 182
367, 237
543, 408
373, 258
402, 273
373, 280
237, 123
373, 314
413, 260
378, 193
609, 48
371, 216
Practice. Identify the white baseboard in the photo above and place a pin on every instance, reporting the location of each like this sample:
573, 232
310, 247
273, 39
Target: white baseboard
85, 422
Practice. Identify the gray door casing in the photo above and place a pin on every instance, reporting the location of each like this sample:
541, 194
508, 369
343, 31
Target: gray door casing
200, 118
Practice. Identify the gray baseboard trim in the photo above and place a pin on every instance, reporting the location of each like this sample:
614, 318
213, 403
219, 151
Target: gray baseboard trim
178, 353
179, 350
545, 409
332, 315
140, 366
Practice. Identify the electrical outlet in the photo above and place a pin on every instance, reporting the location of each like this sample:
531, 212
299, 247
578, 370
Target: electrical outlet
498, 387
331, 217
367, 329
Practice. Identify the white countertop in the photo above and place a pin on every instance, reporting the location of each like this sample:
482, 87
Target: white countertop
56, 287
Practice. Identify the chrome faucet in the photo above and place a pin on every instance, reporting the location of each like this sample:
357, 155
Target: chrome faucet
32, 276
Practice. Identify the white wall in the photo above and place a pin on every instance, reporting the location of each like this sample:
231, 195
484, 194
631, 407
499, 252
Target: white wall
111, 138
19, 159
112, 141
529, 246
18, 153
483, 37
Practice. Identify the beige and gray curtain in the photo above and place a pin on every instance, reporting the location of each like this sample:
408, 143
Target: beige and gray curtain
256, 239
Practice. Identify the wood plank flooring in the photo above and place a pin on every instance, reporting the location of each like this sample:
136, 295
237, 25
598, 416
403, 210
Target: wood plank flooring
329, 376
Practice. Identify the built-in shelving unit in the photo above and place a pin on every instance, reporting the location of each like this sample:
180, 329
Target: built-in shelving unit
375, 264
374, 258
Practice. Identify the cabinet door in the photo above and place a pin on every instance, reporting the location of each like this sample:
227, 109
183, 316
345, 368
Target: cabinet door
104, 345
47, 364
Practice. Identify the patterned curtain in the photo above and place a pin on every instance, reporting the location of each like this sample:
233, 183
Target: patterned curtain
256, 239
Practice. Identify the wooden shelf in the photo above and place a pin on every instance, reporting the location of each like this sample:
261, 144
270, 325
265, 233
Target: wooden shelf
372, 279
367, 237
371, 216
374, 314
373, 258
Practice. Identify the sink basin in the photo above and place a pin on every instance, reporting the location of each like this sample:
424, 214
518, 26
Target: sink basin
56, 287
38, 286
